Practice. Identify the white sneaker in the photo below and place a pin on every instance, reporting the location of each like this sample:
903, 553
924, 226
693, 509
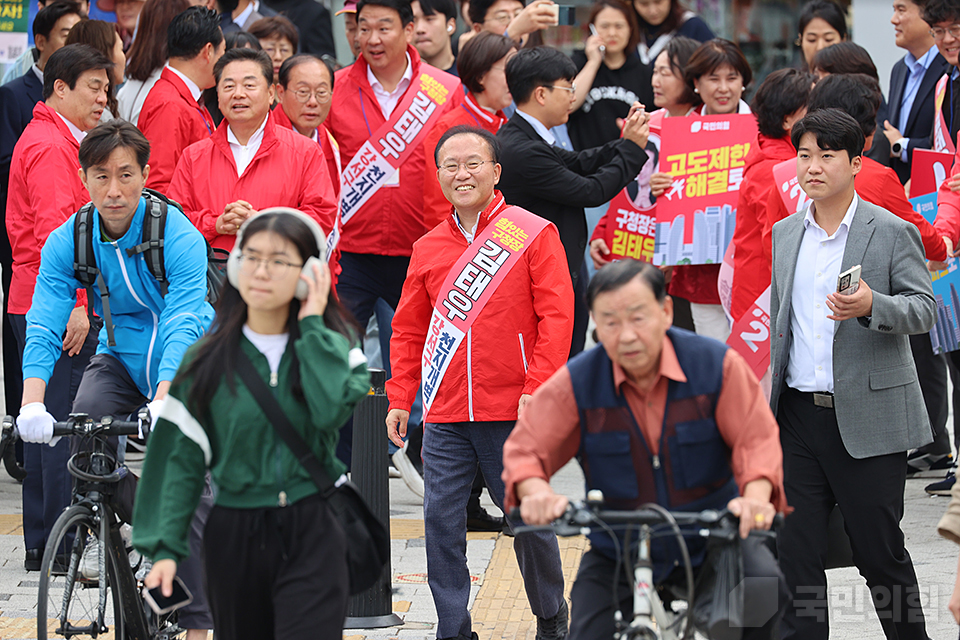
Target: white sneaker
408, 472
133, 556
90, 562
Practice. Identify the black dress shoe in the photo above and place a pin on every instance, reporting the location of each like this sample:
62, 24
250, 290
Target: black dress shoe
483, 521
31, 561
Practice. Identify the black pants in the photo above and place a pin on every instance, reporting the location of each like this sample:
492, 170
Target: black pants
365, 278
932, 373
277, 573
108, 390
818, 474
765, 594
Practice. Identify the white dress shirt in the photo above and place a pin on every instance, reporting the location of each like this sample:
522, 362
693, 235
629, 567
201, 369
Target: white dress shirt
74, 129
539, 127
192, 87
241, 19
388, 99
37, 72
810, 364
243, 155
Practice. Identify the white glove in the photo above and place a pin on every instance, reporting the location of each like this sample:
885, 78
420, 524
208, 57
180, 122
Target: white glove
35, 424
154, 408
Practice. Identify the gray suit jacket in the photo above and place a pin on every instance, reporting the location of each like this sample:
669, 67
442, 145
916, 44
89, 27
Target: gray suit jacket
876, 393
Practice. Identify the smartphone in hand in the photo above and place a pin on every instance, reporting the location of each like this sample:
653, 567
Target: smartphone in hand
163, 605
848, 282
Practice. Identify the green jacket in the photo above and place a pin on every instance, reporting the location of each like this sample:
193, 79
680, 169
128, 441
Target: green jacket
249, 463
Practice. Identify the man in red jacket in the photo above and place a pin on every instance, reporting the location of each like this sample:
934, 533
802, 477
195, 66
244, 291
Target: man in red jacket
45, 190
515, 338
173, 115
250, 163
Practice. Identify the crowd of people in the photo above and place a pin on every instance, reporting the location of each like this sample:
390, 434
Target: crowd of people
450, 194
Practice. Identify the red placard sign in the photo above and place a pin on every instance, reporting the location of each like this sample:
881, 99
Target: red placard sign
785, 177
928, 170
750, 335
706, 156
631, 230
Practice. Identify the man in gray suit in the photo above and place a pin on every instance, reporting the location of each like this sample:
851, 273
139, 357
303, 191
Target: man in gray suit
845, 388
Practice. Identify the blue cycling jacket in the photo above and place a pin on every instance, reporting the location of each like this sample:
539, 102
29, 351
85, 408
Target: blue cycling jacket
152, 331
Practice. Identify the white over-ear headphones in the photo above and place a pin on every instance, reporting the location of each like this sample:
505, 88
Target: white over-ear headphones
233, 262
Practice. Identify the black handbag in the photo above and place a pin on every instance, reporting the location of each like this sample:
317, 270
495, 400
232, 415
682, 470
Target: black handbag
368, 544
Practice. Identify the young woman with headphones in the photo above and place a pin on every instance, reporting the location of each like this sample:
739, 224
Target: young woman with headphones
275, 554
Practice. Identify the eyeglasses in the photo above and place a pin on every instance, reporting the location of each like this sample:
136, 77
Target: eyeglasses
572, 88
276, 269
283, 51
303, 95
473, 166
503, 17
939, 32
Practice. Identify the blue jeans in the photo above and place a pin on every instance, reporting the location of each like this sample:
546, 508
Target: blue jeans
450, 456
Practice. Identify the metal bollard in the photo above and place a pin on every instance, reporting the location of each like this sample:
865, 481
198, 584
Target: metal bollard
373, 609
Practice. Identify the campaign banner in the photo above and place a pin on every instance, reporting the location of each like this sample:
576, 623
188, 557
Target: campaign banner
750, 335
379, 158
471, 282
928, 169
631, 230
14, 19
706, 157
945, 335
788, 186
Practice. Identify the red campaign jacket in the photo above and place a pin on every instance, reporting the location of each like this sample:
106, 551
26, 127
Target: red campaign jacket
436, 209
751, 272
877, 185
45, 189
172, 121
288, 171
392, 219
520, 339
326, 146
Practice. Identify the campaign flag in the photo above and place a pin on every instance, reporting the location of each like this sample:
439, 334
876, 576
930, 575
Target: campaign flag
14, 19
945, 335
928, 169
706, 157
750, 335
631, 230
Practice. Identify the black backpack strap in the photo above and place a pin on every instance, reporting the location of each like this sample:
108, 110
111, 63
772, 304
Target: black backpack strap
281, 424
85, 267
154, 224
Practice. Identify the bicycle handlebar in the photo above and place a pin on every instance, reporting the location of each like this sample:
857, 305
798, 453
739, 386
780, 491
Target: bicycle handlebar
80, 424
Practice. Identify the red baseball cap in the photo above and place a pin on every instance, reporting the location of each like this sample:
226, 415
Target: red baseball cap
350, 6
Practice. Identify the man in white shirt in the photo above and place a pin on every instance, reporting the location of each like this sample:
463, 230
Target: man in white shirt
173, 115
845, 388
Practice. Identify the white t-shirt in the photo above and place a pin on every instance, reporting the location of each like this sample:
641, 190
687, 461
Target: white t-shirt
271, 346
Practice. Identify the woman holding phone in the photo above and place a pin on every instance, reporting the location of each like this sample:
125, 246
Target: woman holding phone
275, 553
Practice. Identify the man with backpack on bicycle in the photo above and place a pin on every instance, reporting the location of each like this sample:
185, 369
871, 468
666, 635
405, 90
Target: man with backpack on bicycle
657, 415
145, 267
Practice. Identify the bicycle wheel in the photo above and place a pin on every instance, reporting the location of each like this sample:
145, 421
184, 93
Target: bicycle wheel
71, 604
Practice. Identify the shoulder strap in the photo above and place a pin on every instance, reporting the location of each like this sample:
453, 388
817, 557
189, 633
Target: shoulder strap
274, 412
85, 267
154, 224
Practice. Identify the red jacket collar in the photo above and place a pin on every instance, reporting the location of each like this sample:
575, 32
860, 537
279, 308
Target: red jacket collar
181, 87
778, 149
358, 70
494, 208
42, 112
281, 118
487, 121
219, 138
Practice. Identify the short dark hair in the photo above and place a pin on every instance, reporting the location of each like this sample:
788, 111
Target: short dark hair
679, 50
537, 67
834, 129
239, 55
295, 61
103, 139
276, 27
447, 7
189, 32
69, 63
935, 11
402, 7
628, 12
828, 11
781, 93
462, 129
844, 57
478, 55
477, 12
48, 17
617, 274
713, 54
240, 40
856, 94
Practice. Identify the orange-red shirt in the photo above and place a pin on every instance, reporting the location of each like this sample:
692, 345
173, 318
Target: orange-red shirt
547, 434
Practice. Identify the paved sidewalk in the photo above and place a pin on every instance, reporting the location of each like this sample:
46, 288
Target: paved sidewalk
498, 602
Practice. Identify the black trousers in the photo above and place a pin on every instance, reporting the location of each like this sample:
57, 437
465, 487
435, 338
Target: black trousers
277, 573
365, 278
765, 595
932, 373
818, 474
